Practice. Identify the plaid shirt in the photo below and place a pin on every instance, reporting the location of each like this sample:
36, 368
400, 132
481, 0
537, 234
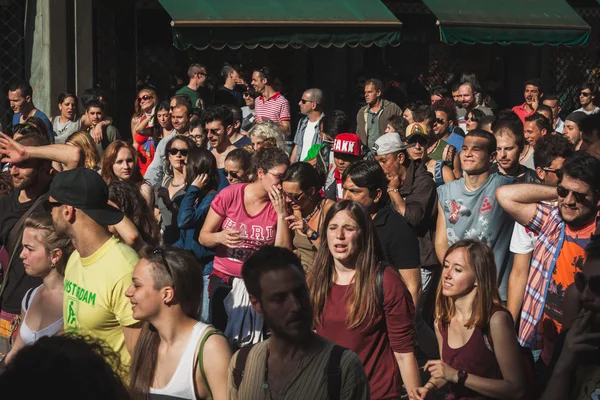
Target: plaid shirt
550, 227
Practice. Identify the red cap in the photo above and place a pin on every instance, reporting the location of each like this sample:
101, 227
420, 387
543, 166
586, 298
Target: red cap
347, 143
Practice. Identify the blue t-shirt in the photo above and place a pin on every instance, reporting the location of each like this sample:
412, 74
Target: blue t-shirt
244, 141
477, 215
456, 140
38, 114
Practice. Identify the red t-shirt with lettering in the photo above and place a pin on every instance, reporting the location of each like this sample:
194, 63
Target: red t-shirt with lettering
376, 340
256, 231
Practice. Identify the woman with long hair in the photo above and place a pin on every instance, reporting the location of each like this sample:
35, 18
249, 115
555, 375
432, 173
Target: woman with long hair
242, 219
144, 127
143, 106
202, 184
360, 304
478, 346
237, 166
90, 152
120, 163
301, 187
172, 191
472, 119
45, 255
66, 123
174, 349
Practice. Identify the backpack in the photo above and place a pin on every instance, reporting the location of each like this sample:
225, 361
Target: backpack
334, 370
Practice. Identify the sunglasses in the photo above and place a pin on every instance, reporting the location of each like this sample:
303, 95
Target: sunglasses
593, 282
472, 119
161, 253
234, 175
144, 98
585, 94
553, 170
50, 205
174, 151
304, 101
214, 131
294, 197
440, 121
246, 94
196, 137
564, 192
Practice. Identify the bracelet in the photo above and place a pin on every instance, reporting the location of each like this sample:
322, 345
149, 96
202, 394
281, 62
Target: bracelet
393, 190
434, 388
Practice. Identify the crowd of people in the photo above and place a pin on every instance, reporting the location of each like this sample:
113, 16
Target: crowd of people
445, 250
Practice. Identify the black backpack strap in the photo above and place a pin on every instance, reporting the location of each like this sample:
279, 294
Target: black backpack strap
379, 282
334, 372
240, 365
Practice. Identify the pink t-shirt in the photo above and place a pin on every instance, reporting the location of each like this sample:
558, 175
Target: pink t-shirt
255, 231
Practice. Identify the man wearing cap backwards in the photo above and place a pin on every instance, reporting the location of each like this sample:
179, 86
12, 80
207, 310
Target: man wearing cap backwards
572, 129
468, 208
347, 148
99, 271
30, 159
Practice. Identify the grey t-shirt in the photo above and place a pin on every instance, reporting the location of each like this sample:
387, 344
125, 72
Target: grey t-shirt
477, 215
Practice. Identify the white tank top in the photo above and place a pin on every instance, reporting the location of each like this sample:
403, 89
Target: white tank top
181, 385
29, 336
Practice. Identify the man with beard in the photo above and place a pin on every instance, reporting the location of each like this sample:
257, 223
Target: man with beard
99, 271
572, 128
533, 93
30, 160
218, 125
510, 142
563, 232
535, 127
466, 97
180, 118
294, 361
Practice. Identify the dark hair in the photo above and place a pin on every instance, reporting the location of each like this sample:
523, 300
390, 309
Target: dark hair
476, 114
470, 78
488, 119
424, 113
181, 99
540, 121
377, 84
23, 86
265, 73
128, 198
227, 69
236, 113
447, 106
480, 133
439, 90
551, 96
267, 158
65, 95
590, 125
515, 129
543, 107
202, 161
335, 123
95, 103
535, 82
242, 157
89, 95
39, 125
190, 144
6, 183
305, 175
368, 174
583, 167
267, 259
399, 123
549, 147
157, 130
174, 267
414, 105
508, 115
93, 367
587, 85
220, 113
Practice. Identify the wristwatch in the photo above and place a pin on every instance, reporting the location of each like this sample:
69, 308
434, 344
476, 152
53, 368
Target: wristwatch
313, 236
462, 377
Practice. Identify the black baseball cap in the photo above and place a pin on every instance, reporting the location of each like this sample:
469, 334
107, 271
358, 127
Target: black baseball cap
84, 189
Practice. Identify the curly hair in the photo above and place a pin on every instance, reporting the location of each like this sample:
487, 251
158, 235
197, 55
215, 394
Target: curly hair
550, 147
84, 141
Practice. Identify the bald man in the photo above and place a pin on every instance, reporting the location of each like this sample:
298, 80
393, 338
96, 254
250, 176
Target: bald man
309, 127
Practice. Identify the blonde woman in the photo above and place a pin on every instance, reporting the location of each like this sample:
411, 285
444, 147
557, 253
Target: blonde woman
84, 141
265, 132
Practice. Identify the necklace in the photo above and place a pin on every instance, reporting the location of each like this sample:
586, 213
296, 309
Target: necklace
317, 208
177, 185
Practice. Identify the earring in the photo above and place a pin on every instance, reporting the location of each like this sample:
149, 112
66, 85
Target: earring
53, 265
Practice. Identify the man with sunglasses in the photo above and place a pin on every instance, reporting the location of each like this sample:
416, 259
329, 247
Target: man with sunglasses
99, 271
180, 118
563, 232
587, 95
197, 74
444, 123
310, 127
532, 94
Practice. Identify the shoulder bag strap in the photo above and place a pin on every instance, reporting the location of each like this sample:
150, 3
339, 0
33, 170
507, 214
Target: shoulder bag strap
379, 282
15, 236
240, 365
201, 357
334, 372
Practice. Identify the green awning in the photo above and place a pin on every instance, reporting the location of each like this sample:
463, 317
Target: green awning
536, 22
281, 23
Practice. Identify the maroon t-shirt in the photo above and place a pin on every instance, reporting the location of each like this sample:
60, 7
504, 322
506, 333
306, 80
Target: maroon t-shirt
375, 341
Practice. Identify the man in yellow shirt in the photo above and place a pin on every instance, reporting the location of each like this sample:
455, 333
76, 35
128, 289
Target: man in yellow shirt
99, 271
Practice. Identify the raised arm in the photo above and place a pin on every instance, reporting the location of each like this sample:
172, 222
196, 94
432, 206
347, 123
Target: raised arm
14, 152
520, 200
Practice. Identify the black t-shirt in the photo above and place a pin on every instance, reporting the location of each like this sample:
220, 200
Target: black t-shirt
398, 239
227, 96
19, 282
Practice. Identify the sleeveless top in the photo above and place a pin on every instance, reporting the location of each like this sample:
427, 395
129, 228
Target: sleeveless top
28, 335
438, 176
181, 385
476, 357
63, 132
442, 151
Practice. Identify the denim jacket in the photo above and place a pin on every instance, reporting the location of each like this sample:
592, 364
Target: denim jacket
299, 136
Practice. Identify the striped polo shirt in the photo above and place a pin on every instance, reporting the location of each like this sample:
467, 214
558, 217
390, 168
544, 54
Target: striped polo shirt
276, 108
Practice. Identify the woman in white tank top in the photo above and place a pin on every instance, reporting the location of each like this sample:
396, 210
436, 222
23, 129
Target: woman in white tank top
172, 353
45, 255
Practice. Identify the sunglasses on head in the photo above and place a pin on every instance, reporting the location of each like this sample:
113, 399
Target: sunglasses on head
144, 98
161, 253
174, 151
564, 192
593, 282
234, 175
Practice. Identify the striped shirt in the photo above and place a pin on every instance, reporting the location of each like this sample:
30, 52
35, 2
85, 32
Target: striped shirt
276, 108
308, 381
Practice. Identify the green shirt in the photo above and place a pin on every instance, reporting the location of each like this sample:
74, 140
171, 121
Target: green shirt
192, 94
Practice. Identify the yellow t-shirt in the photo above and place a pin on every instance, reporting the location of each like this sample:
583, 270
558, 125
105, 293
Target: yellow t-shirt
94, 301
